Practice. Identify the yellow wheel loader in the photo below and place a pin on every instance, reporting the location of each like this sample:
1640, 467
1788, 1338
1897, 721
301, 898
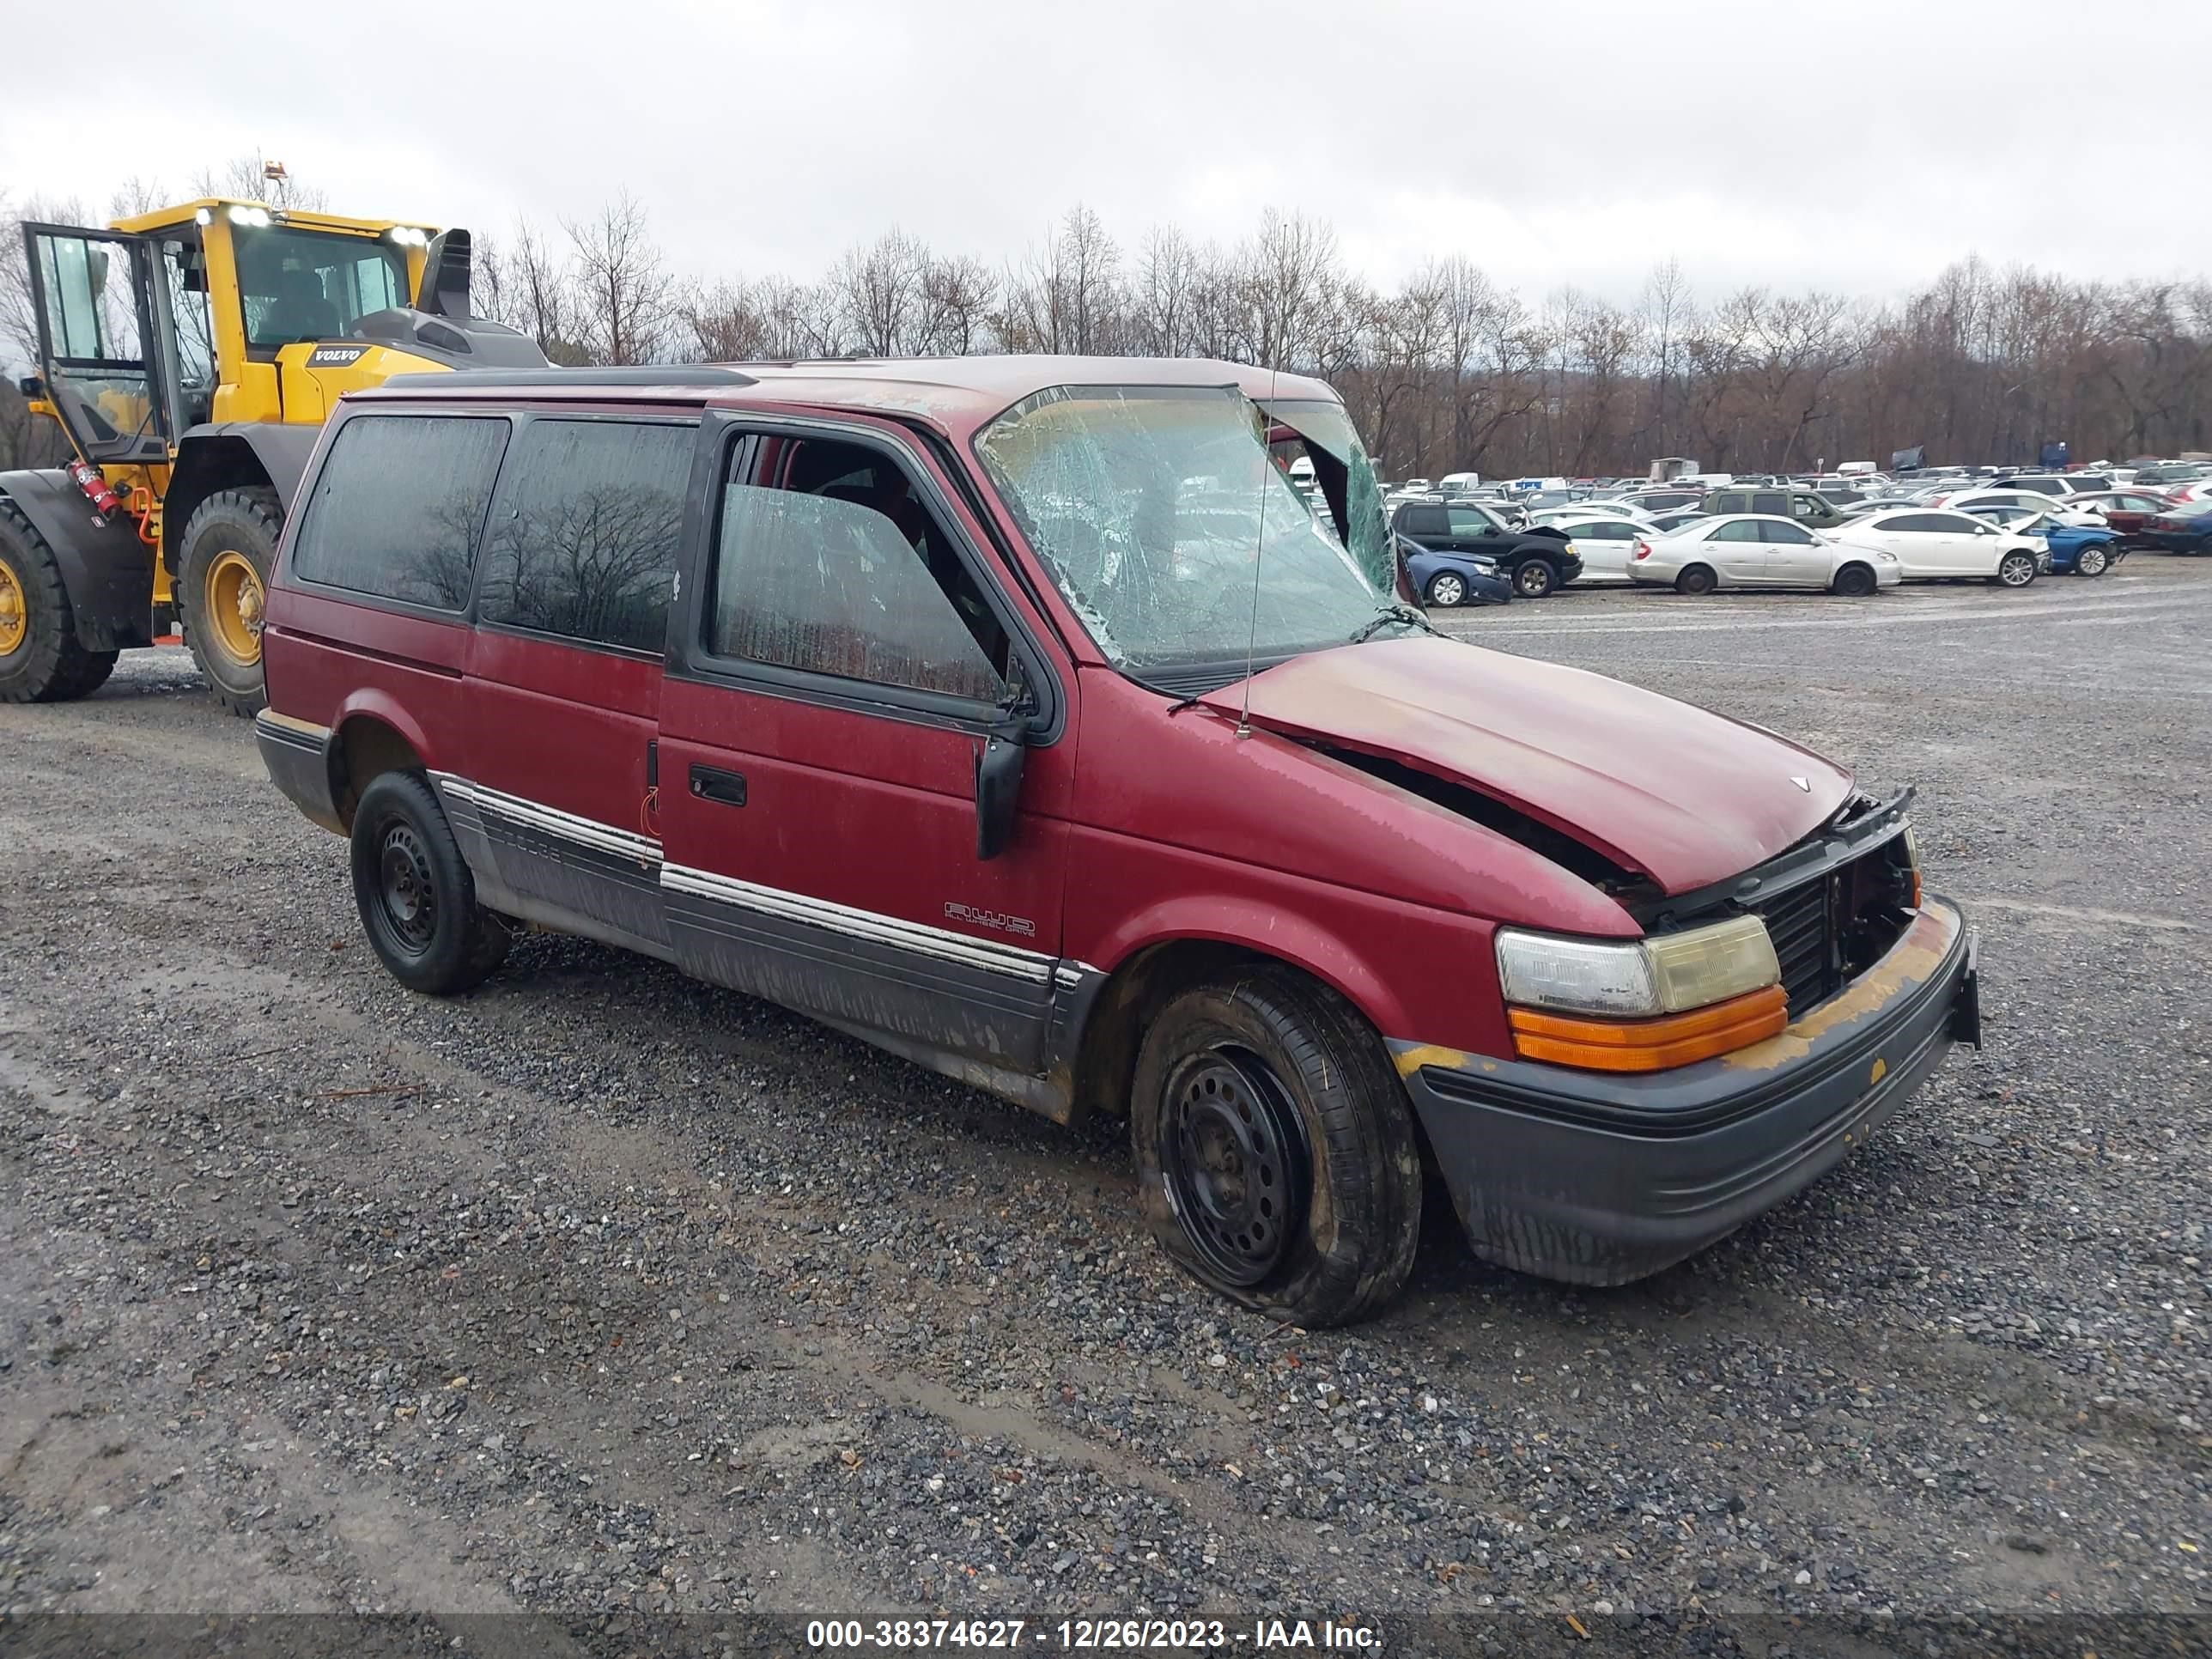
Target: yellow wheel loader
191, 355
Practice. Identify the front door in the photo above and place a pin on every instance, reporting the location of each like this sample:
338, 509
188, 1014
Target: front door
92, 299
1739, 551
845, 650
1795, 557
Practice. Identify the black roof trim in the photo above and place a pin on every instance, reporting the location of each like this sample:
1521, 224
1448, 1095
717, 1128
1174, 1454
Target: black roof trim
527, 379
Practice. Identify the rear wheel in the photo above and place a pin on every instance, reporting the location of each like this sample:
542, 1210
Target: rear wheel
1535, 579
2016, 570
1447, 589
1275, 1150
229, 548
41, 659
1698, 578
417, 897
2092, 561
1853, 582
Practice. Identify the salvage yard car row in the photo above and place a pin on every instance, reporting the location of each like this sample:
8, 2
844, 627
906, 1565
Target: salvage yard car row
1470, 548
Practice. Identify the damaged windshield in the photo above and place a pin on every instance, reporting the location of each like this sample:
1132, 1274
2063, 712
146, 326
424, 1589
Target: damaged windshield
1156, 507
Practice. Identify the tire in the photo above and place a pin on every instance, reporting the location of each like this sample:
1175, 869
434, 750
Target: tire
2092, 561
416, 898
1447, 589
1853, 582
42, 658
229, 547
2015, 569
1287, 1077
1698, 578
1534, 578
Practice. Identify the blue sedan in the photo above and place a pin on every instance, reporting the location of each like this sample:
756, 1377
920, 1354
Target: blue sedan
2076, 549
1446, 579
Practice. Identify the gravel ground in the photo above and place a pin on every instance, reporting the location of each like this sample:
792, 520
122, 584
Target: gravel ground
609, 1296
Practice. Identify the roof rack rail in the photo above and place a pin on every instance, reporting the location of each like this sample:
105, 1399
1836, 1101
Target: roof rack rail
643, 375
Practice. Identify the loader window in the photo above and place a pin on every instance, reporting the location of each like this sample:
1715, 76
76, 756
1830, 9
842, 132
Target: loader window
313, 285
398, 509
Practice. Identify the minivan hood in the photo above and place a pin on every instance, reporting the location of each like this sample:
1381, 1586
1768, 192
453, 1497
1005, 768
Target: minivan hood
1676, 793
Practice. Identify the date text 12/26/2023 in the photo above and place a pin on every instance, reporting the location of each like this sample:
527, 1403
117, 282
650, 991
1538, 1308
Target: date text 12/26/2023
1085, 1635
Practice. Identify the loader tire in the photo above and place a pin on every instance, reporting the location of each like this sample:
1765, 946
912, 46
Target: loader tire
41, 659
228, 549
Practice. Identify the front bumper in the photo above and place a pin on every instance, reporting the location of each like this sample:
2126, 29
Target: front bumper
1600, 1180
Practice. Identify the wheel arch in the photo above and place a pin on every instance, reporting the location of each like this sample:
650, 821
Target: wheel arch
240, 455
107, 571
372, 735
1154, 955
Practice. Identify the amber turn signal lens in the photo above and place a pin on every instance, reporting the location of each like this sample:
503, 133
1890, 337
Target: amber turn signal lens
1648, 1045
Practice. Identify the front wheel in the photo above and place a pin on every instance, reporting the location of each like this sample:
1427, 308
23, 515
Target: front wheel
41, 659
1275, 1151
416, 897
229, 547
2016, 570
1447, 589
1535, 579
1853, 582
2091, 561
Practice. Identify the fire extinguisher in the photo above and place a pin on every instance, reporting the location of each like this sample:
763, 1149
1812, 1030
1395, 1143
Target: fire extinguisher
105, 501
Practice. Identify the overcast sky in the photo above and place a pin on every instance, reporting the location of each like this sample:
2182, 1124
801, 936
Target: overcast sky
1858, 146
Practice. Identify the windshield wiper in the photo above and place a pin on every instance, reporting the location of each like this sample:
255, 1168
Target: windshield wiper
1405, 614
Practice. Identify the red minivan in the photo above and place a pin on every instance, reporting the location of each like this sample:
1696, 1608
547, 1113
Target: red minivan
1017, 714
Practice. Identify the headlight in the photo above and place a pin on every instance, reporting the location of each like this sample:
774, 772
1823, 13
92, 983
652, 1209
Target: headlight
1659, 1002
1668, 973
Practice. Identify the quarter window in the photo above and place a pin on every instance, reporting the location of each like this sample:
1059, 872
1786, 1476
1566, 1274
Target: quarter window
398, 508
830, 562
584, 532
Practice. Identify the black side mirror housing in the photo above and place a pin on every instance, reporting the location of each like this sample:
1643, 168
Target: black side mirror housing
444, 285
32, 386
999, 786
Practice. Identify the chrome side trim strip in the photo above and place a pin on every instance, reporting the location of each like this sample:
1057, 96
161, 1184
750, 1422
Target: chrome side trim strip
1030, 966
587, 832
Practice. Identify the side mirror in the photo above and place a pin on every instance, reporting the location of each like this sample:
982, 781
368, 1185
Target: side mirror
32, 386
444, 289
998, 788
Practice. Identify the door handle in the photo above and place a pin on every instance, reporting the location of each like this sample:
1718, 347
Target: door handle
712, 783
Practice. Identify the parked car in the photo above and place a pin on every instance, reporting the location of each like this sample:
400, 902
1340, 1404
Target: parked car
1447, 579
1932, 545
900, 699
1807, 506
1758, 550
1583, 512
1536, 564
2052, 483
1667, 523
1665, 501
2124, 510
2069, 549
2184, 528
1965, 500
1605, 543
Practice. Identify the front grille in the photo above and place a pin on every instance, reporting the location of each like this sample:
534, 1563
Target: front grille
1800, 922
1829, 930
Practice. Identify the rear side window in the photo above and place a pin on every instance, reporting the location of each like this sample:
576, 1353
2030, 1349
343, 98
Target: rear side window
1768, 501
584, 533
398, 508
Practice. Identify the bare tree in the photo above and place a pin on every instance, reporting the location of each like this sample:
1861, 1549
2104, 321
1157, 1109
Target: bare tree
624, 293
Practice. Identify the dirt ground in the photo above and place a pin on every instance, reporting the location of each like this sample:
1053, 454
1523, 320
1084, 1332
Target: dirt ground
634, 1306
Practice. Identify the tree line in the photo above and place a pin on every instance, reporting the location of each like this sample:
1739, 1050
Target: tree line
1447, 370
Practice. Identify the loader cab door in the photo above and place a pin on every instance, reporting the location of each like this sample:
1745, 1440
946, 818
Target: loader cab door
99, 328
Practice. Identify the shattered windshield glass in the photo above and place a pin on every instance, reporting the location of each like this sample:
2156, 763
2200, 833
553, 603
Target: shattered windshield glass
1348, 481
1155, 510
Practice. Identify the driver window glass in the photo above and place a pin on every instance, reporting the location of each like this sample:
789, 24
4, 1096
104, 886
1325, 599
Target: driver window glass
836, 567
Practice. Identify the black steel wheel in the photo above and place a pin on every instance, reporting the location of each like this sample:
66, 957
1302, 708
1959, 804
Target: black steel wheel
1698, 578
1277, 1160
416, 895
1854, 582
1235, 1157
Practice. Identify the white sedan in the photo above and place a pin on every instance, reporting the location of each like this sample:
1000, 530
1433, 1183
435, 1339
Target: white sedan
1758, 549
1931, 545
2066, 512
1605, 543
